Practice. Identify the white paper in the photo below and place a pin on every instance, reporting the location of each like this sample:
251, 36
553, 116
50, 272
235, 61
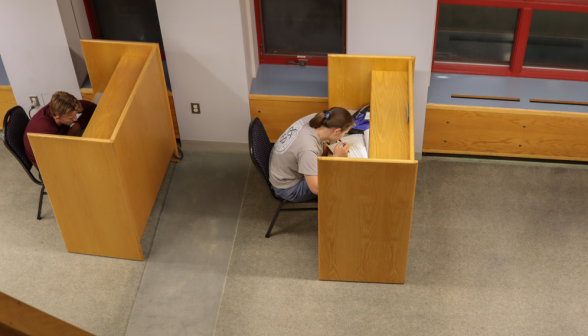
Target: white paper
366, 140
357, 148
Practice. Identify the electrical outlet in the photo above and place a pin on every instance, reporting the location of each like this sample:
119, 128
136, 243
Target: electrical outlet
195, 108
35, 101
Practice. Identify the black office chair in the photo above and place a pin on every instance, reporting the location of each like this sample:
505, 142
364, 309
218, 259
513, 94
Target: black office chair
14, 126
260, 148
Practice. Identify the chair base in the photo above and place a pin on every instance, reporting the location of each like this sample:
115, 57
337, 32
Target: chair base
282, 203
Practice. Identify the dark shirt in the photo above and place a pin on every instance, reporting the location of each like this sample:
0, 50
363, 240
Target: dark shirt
43, 122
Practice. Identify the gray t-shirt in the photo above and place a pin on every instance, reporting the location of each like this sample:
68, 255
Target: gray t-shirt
295, 154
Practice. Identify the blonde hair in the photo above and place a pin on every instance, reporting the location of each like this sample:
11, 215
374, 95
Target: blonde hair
64, 103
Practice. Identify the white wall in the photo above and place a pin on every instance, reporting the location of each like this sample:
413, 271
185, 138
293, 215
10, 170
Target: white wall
397, 28
249, 28
81, 19
35, 50
207, 61
70, 26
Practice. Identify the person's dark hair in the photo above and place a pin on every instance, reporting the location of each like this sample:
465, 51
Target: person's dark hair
336, 117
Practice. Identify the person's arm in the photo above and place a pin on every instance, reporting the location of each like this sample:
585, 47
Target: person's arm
74, 129
87, 113
312, 181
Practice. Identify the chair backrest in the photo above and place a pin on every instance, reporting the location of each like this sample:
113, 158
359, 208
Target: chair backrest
14, 126
260, 149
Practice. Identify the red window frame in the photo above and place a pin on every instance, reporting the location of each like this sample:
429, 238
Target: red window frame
516, 68
312, 60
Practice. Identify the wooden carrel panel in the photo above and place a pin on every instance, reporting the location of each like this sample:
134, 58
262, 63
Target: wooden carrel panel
389, 121
506, 132
365, 216
172, 108
86, 190
350, 77
115, 97
87, 94
144, 141
277, 113
7, 101
102, 58
28, 320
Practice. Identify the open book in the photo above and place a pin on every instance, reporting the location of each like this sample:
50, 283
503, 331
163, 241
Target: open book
357, 145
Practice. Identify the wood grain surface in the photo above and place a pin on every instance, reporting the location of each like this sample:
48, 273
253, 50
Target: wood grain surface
389, 121
506, 132
7, 101
350, 77
115, 97
88, 94
102, 58
411, 66
21, 319
143, 142
87, 194
102, 189
172, 108
365, 216
277, 113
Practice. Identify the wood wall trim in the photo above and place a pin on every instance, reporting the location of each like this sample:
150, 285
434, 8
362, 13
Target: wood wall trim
289, 98
525, 156
506, 132
504, 110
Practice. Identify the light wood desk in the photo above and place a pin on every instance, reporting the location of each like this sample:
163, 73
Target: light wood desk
366, 205
102, 186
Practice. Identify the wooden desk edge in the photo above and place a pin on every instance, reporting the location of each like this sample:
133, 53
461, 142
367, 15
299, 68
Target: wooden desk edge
347, 159
68, 137
288, 98
486, 109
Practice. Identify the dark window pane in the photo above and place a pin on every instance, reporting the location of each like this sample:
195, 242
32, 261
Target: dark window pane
128, 20
558, 40
302, 26
475, 34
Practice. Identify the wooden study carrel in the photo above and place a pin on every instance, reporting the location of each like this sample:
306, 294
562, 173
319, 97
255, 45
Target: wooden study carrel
366, 205
103, 185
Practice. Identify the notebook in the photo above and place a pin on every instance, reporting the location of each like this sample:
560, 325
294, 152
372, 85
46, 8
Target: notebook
357, 147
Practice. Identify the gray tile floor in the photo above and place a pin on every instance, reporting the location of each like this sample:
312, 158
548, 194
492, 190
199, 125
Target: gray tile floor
497, 248
185, 274
94, 293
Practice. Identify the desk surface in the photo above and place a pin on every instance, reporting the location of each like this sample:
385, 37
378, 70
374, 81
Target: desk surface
291, 80
444, 85
312, 81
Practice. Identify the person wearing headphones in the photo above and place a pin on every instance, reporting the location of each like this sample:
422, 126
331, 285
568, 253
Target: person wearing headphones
294, 157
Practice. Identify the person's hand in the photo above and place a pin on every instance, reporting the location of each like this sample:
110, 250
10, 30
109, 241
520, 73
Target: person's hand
341, 150
74, 129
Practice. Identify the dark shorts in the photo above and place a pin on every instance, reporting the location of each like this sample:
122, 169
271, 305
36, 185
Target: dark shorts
298, 193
